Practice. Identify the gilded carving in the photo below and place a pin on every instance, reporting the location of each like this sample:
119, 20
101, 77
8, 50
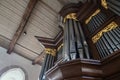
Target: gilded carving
104, 4
71, 16
95, 13
50, 51
109, 27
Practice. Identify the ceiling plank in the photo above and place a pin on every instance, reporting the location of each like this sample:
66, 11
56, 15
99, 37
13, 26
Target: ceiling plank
22, 25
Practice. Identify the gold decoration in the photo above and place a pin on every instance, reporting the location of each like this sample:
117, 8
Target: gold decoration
104, 4
109, 27
95, 13
70, 16
59, 47
50, 51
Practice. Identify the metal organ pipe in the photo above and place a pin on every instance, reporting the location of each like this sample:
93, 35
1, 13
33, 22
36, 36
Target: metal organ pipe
43, 69
72, 36
116, 39
78, 40
66, 41
90, 27
114, 5
86, 51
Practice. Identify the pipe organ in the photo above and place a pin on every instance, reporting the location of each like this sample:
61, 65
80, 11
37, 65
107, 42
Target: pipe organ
102, 30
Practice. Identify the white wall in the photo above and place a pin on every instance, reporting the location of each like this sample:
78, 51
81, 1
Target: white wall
6, 60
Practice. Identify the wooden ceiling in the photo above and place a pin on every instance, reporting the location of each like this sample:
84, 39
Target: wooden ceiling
43, 22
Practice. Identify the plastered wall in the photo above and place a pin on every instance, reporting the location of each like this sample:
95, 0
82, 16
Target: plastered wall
7, 60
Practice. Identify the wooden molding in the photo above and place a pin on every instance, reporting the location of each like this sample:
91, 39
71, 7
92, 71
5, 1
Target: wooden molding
22, 25
48, 43
70, 8
75, 69
52, 43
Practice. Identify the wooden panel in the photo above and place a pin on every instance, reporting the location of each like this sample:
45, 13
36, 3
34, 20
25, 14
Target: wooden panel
111, 64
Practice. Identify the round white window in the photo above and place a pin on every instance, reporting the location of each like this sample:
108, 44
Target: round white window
13, 74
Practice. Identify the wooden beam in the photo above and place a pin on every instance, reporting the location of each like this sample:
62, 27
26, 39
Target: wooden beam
22, 25
39, 60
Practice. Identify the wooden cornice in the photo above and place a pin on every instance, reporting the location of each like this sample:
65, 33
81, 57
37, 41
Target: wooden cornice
83, 10
48, 43
51, 43
22, 25
70, 8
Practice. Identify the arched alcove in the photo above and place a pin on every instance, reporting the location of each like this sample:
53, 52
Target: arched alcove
13, 73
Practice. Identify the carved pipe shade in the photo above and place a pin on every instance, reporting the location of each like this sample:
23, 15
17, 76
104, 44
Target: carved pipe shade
109, 27
70, 16
95, 13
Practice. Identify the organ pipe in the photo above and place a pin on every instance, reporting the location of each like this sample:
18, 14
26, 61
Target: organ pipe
114, 5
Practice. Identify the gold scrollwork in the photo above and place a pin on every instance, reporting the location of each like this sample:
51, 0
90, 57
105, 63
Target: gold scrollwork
104, 4
50, 51
70, 16
95, 13
109, 27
